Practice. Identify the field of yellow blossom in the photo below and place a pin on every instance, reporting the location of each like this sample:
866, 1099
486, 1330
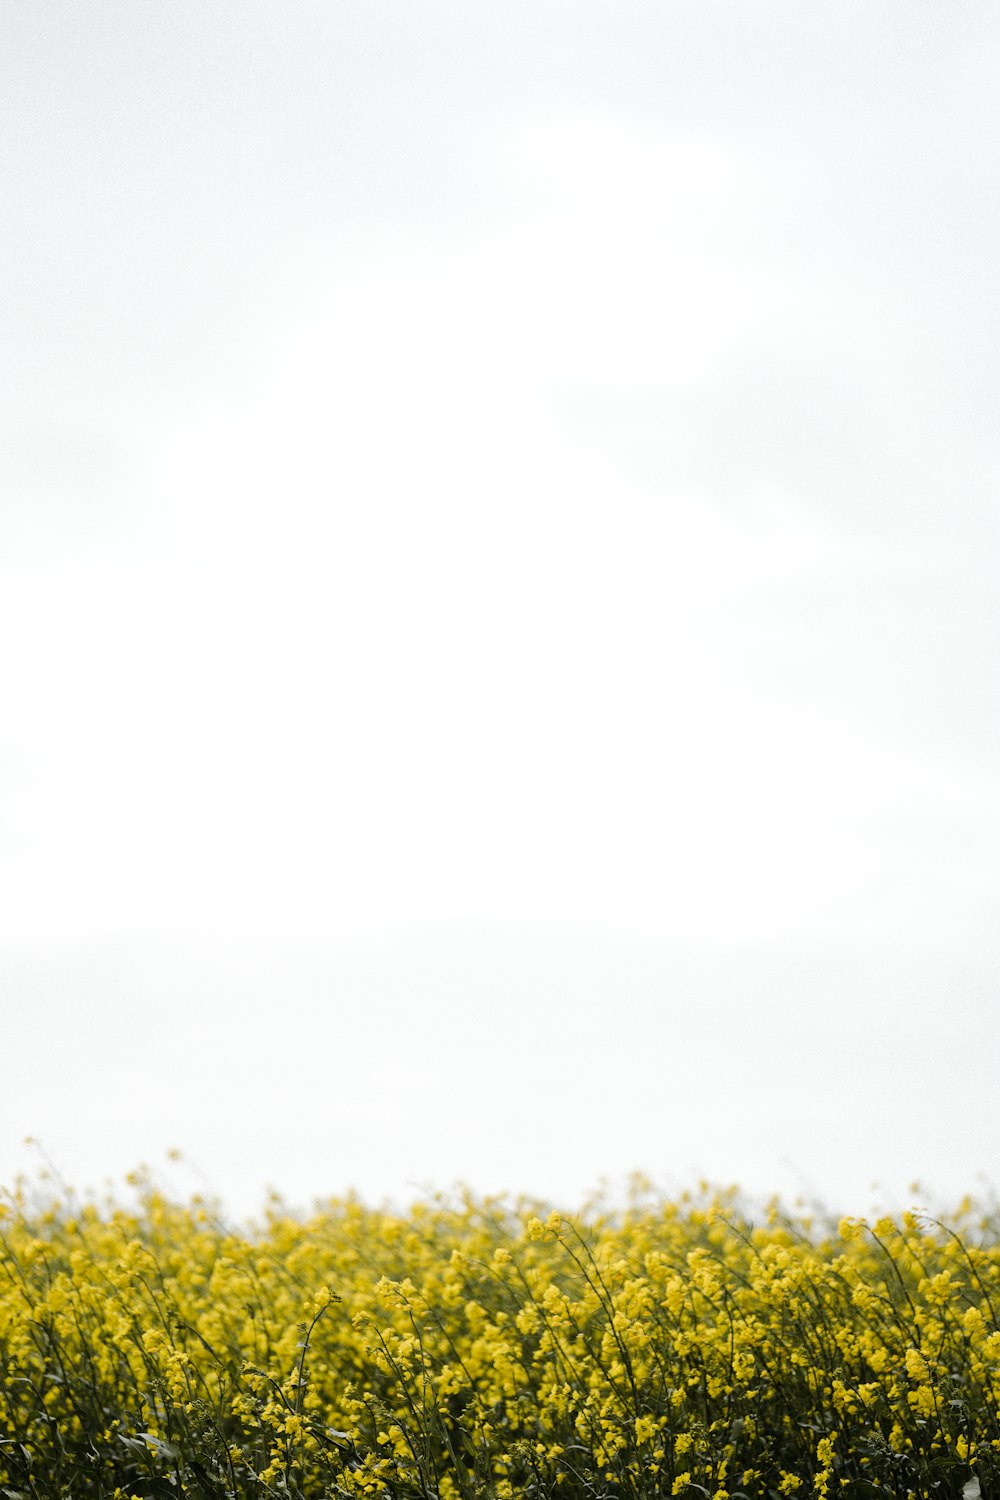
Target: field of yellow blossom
477, 1347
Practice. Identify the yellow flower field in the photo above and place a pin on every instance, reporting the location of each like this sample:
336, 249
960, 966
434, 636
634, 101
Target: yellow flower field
492, 1348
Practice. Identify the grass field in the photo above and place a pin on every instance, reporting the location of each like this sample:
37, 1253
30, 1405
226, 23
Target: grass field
494, 1348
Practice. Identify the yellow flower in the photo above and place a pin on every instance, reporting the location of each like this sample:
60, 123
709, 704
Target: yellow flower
645, 1428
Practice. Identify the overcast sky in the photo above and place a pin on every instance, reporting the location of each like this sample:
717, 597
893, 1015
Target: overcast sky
498, 593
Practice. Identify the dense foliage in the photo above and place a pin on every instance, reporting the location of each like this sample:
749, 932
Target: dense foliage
484, 1348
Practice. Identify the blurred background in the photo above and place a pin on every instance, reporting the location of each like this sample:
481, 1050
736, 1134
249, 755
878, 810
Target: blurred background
498, 595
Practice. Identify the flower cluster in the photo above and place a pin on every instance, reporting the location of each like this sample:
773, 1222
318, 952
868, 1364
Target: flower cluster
489, 1348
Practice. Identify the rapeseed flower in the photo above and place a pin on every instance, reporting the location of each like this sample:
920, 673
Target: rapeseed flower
473, 1349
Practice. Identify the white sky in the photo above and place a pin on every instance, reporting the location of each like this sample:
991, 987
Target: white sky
498, 577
